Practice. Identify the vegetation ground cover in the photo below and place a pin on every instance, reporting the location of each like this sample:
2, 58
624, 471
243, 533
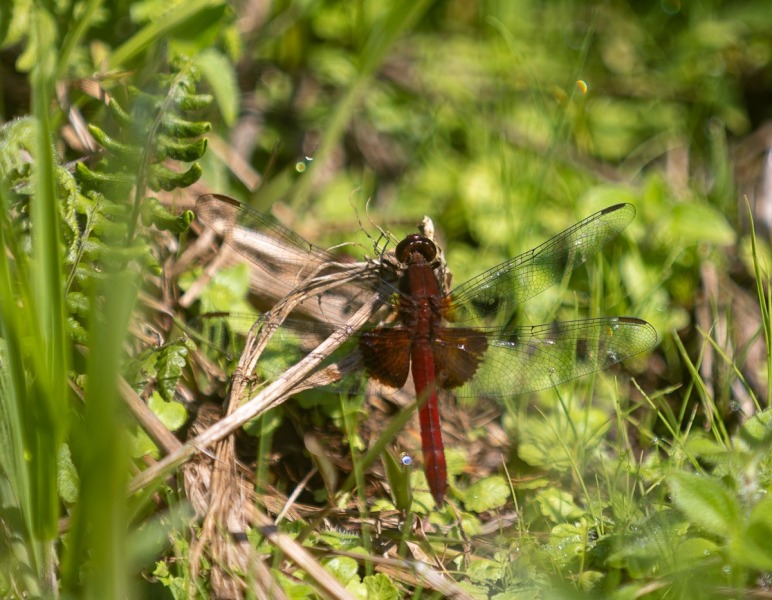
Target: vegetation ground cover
505, 122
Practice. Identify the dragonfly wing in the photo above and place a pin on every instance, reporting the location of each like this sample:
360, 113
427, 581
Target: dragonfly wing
493, 295
386, 354
458, 353
532, 358
287, 261
258, 237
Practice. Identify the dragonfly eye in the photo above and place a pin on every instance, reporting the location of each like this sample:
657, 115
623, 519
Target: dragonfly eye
416, 243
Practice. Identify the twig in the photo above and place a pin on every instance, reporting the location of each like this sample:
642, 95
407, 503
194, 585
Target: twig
271, 396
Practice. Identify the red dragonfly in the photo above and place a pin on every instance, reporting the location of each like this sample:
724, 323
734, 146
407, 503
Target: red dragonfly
460, 340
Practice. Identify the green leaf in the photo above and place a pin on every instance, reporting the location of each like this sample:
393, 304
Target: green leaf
695, 223
192, 102
67, 476
343, 568
226, 292
220, 74
587, 580
162, 178
186, 151
380, 587
641, 550
693, 551
120, 116
756, 432
568, 541
753, 547
16, 146
705, 502
423, 502
487, 494
124, 152
294, 587
195, 15
557, 505
542, 444
398, 476
170, 361
172, 414
156, 214
141, 445
357, 589
113, 185
484, 569
176, 126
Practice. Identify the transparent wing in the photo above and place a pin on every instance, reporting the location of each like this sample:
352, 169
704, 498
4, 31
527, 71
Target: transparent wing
287, 261
259, 237
526, 359
493, 295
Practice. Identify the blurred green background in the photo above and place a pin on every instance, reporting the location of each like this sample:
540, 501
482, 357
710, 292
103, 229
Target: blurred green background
504, 121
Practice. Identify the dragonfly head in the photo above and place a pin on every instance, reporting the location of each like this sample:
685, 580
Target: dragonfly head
416, 244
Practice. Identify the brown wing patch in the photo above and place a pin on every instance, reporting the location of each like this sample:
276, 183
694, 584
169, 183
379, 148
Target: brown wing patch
457, 354
386, 354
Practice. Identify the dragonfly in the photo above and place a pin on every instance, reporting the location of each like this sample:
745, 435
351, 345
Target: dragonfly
460, 340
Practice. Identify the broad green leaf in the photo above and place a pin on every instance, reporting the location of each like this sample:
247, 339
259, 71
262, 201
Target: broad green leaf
339, 540
543, 444
567, 542
487, 494
457, 459
753, 547
557, 505
423, 501
697, 223
705, 502
172, 414
294, 587
589, 579
477, 592
695, 550
141, 445
226, 291
357, 589
757, 431
343, 568
701, 446
647, 547
171, 360
380, 587
484, 569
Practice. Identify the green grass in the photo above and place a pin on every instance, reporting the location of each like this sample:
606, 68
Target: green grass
505, 122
